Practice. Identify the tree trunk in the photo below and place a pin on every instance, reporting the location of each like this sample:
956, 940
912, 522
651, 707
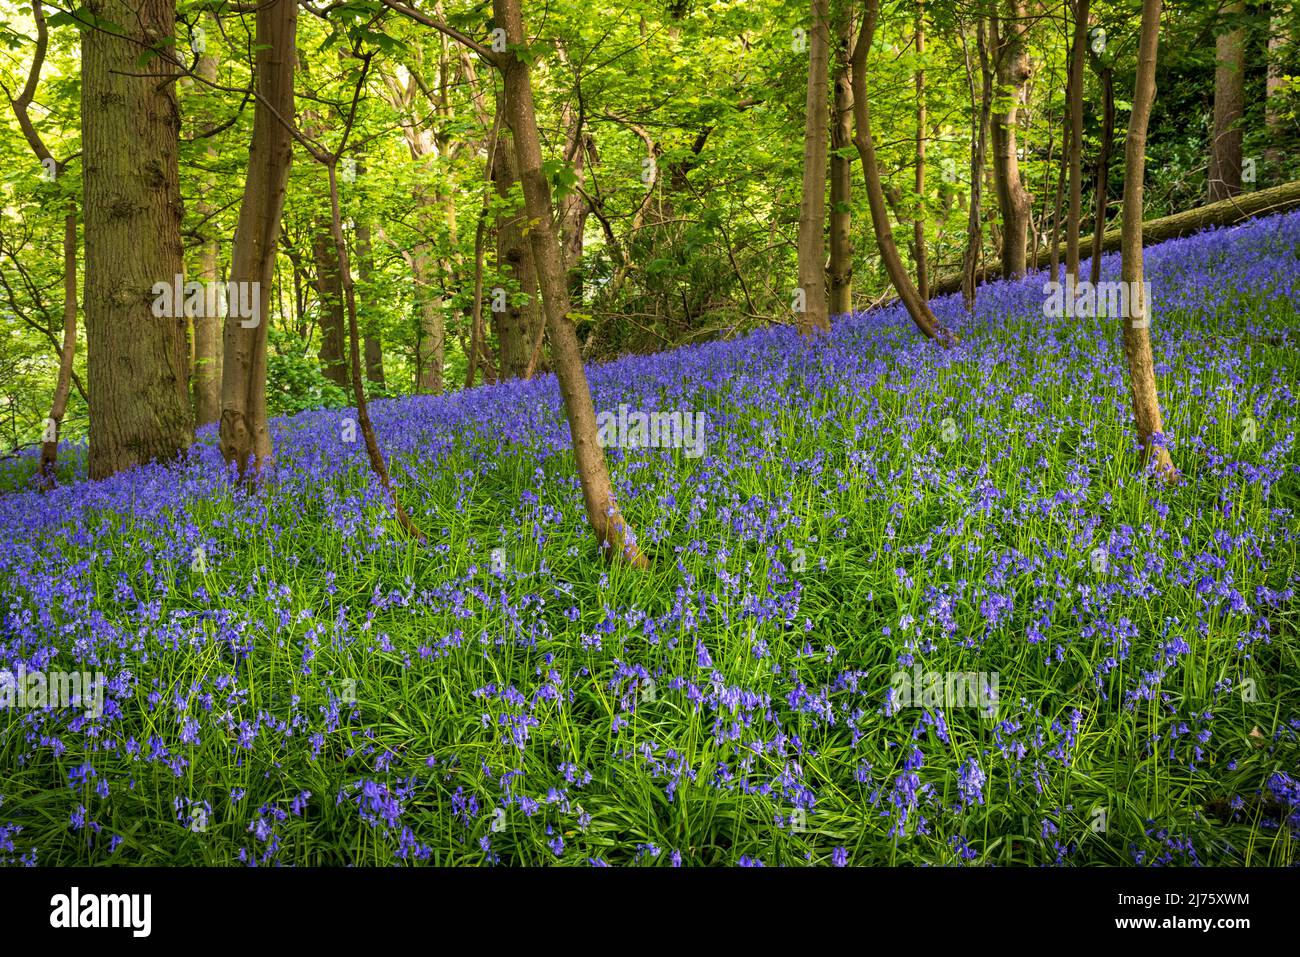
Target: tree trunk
1229, 107
1055, 250
206, 382
245, 436
1279, 36
917, 307
840, 273
348, 295
979, 149
331, 317
431, 349
67, 352
68, 349
918, 225
374, 350
1103, 171
138, 363
1074, 98
1011, 56
517, 325
598, 493
1137, 340
812, 210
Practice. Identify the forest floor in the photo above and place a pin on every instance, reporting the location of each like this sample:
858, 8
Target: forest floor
909, 606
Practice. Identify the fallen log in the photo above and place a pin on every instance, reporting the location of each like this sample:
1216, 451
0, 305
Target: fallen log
1226, 212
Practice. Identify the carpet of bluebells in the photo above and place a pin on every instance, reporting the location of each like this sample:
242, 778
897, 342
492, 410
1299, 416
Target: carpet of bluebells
290, 681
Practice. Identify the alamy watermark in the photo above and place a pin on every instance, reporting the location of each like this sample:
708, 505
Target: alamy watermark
52, 689
209, 300
1085, 300
659, 430
919, 688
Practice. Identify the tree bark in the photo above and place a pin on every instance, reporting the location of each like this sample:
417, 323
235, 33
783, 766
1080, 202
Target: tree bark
1074, 97
517, 325
68, 348
840, 273
812, 210
611, 529
918, 224
206, 380
138, 363
917, 307
1011, 57
331, 318
1279, 36
374, 349
1229, 108
245, 436
1103, 171
1137, 341
979, 149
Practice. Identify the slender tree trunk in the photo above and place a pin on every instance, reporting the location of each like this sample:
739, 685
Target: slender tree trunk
67, 352
1229, 107
979, 149
1011, 55
1103, 171
598, 493
377, 464
1137, 340
245, 436
1054, 255
374, 349
1279, 36
207, 329
918, 225
1074, 96
138, 363
917, 307
840, 273
812, 210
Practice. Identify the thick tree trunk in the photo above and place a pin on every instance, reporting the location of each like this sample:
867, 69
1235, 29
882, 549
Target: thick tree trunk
1074, 147
332, 317
1011, 56
517, 325
840, 273
812, 210
1137, 340
1229, 107
206, 379
598, 493
1103, 171
917, 307
432, 348
918, 224
138, 363
245, 436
